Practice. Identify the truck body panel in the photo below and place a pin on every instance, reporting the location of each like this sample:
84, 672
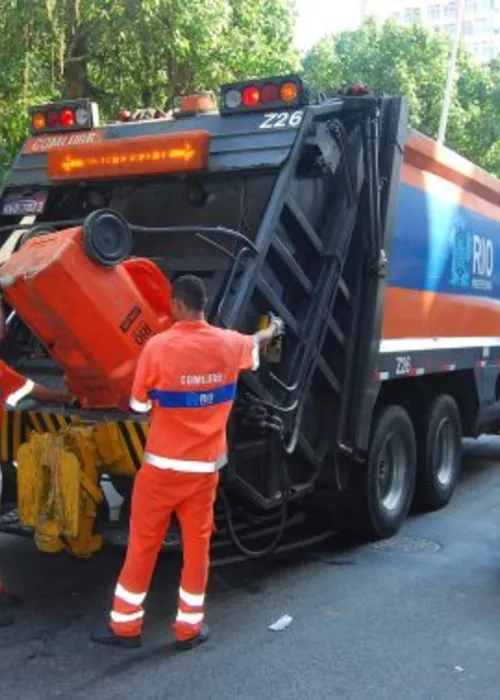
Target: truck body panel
443, 281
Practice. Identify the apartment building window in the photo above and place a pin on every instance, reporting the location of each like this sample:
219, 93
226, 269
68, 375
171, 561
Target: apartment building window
486, 52
450, 10
471, 5
434, 12
411, 14
468, 29
481, 26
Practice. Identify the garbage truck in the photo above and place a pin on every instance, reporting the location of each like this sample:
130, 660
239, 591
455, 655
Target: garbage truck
376, 245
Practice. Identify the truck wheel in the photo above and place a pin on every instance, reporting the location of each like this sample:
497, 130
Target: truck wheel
439, 456
107, 238
390, 471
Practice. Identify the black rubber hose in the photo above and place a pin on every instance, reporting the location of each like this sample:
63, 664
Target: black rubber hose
283, 515
254, 553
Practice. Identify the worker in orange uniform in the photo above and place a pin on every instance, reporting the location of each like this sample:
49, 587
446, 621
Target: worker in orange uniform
13, 388
187, 375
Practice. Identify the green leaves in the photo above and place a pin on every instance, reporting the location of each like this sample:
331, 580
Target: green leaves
413, 61
132, 53
137, 53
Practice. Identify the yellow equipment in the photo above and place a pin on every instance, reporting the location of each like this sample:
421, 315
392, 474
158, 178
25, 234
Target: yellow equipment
58, 484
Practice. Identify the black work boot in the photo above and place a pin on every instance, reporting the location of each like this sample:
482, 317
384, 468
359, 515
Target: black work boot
8, 600
6, 621
107, 637
193, 642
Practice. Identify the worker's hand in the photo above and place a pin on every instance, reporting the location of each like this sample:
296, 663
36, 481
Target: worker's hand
277, 323
69, 399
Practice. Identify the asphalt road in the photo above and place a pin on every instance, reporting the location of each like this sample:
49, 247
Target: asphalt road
416, 617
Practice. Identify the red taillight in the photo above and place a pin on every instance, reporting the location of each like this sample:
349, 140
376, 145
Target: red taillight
53, 119
251, 96
270, 93
67, 118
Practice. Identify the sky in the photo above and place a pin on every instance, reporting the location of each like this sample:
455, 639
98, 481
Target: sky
319, 17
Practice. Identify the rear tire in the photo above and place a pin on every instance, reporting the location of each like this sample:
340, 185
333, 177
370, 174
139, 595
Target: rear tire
390, 472
439, 460
380, 491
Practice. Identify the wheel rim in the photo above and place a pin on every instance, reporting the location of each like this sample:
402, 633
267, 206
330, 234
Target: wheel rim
108, 236
443, 453
391, 470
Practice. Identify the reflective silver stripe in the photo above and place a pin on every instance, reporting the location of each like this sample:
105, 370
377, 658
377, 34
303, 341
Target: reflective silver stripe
196, 601
139, 406
184, 465
128, 596
126, 617
449, 343
255, 356
189, 618
16, 396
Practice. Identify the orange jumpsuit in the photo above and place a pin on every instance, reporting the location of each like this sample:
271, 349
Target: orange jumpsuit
187, 376
13, 388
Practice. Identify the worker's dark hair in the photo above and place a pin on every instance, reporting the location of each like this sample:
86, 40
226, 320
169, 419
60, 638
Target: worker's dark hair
191, 290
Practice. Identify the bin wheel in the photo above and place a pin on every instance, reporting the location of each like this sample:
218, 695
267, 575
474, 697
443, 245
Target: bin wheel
35, 232
107, 238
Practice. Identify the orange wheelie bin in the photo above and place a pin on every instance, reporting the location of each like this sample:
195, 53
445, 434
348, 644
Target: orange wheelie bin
89, 304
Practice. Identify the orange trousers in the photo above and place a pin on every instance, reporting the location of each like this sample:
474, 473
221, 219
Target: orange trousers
157, 494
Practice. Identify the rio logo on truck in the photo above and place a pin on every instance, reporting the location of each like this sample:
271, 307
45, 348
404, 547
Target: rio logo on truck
482, 262
472, 259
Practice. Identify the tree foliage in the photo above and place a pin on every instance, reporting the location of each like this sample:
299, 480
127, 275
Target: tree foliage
133, 53
413, 61
138, 53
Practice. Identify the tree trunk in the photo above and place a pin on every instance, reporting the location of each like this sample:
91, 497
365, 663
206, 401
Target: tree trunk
75, 65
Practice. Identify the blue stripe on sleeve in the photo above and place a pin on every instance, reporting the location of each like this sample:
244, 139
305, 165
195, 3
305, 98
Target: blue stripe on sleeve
194, 399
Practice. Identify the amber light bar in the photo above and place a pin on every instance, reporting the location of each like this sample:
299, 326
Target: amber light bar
144, 155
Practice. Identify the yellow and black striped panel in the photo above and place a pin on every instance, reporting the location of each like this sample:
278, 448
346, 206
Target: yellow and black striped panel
18, 425
13, 434
134, 436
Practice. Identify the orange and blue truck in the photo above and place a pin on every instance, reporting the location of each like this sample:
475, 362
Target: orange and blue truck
376, 246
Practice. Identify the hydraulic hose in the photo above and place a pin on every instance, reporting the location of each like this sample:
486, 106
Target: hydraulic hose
246, 551
282, 514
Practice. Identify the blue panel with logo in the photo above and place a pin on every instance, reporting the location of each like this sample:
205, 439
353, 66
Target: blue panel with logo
440, 246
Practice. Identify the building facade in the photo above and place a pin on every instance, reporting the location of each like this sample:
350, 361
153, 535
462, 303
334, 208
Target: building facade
481, 27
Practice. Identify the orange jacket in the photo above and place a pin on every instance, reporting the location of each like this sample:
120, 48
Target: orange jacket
187, 375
